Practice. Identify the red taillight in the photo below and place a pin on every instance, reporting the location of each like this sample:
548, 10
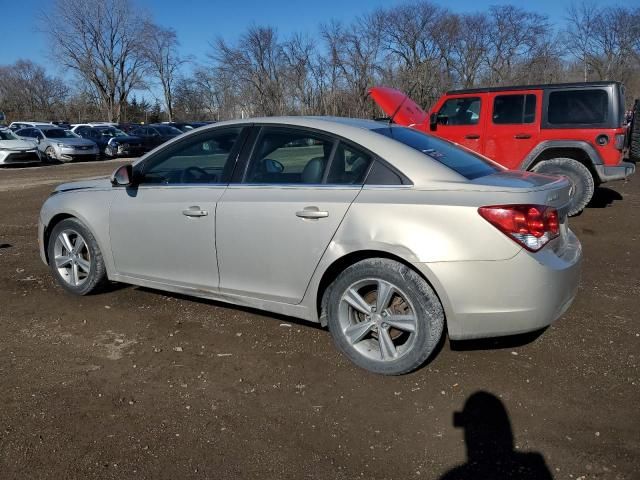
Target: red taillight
532, 226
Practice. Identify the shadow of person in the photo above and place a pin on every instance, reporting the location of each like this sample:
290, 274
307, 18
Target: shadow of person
489, 441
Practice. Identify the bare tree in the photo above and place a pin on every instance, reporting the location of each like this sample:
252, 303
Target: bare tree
256, 65
101, 41
160, 50
26, 91
355, 55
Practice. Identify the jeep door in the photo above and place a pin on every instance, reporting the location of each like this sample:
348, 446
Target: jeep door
513, 128
460, 119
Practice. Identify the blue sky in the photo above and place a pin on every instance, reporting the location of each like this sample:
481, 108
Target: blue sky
199, 21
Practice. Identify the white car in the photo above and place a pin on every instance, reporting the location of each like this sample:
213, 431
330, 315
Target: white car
14, 150
15, 126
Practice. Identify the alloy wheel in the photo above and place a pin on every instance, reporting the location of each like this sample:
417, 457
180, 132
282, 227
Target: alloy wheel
377, 319
72, 257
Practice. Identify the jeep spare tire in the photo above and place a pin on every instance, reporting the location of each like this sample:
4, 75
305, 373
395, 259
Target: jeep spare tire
577, 173
634, 133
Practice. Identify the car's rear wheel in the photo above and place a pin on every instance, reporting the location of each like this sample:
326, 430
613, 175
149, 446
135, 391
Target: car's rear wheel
75, 258
384, 316
577, 173
109, 151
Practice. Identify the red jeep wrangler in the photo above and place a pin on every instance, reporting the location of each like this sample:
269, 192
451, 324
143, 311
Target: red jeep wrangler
573, 129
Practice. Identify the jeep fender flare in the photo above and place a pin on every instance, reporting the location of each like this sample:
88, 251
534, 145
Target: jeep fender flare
539, 149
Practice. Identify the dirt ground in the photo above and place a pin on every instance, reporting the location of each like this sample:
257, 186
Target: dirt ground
135, 383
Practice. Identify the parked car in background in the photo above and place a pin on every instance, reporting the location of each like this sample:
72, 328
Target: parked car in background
155, 134
62, 124
60, 145
186, 126
572, 129
15, 126
111, 141
14, 150
380, 232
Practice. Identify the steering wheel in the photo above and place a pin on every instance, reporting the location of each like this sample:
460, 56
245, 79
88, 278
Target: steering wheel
193, 173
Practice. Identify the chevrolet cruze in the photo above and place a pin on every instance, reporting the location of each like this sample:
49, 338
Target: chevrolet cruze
384, 234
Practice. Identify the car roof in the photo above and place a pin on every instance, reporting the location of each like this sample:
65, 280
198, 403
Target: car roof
543, 86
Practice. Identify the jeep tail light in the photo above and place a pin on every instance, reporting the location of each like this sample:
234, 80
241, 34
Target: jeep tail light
532, 226
619, 141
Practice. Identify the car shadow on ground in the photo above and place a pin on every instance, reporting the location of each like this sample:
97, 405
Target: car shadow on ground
496, 343
490, 444
603, 197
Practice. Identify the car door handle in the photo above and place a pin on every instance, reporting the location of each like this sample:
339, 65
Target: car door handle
312, 213
195, 211
472, 136
522, 136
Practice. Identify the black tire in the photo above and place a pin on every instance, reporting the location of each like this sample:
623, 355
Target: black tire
577, 173
425, 308
634, 134
97, 276
108, 152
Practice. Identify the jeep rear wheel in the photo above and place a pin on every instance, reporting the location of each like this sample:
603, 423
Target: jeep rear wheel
577, 173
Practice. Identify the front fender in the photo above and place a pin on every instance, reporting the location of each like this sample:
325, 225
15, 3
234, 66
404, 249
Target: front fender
90, 207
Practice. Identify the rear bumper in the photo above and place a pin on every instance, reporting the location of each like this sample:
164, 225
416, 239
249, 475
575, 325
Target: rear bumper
608, 173
496, 298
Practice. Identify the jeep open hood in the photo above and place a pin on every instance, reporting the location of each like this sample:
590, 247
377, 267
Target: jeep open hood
398, 105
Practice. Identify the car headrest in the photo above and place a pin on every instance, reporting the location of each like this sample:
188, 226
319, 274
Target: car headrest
313, 170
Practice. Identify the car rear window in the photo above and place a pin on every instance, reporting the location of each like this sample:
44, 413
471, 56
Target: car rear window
461, 161
578, 107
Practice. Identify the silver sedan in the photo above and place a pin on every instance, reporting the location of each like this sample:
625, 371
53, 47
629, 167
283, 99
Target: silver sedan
384, 234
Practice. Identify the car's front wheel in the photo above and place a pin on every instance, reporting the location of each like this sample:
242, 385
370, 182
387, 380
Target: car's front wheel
75, 258
384, 316
50, 155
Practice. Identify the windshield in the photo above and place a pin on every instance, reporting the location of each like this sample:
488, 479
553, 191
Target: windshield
465, 163
7, 135
58, 133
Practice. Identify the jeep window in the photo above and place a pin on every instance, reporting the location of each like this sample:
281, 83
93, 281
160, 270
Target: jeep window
514, 109
578, 106
460, 111
464, 162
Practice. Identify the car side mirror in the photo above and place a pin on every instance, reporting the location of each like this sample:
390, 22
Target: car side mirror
123, 176
433, 122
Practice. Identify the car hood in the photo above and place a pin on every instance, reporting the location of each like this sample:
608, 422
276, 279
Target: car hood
79, 142
17, 145
98, 183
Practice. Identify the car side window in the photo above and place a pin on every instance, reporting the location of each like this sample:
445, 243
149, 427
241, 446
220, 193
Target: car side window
514, 109
203, 160
289, 156
348, 166
460, 111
